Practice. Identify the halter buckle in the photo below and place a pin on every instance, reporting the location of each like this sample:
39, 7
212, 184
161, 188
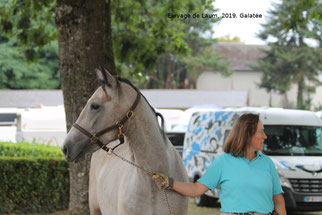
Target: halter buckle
105, 148
130, 114
94, 138
118, 124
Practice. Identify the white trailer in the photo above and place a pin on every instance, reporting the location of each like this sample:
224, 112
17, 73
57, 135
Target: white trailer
43, 125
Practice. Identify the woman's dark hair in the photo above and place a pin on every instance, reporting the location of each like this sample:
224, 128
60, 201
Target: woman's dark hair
241, 134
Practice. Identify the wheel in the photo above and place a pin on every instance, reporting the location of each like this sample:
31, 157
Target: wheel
206, 201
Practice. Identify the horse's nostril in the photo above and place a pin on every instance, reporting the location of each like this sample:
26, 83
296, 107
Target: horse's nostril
65, 151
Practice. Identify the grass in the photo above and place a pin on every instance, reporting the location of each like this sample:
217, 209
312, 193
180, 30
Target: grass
194, 210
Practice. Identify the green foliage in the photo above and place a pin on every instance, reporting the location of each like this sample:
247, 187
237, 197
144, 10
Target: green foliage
181, 71
31, 21
207, 61
16, 73
227, 38
142, 32
195, 31
291, 59
28, 33
282, 66
299, 14
277, 26
202, 58
34, 179
24, 149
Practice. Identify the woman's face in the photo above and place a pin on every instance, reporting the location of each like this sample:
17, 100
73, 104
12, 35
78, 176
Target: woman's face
257, 141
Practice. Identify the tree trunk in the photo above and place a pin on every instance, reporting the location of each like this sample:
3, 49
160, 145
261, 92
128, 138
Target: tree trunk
300, 91
85, 42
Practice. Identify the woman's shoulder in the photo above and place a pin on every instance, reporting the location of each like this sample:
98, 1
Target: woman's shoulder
220, 159
225, 156
266, 158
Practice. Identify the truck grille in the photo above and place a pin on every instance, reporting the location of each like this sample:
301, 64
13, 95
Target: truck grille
307, 185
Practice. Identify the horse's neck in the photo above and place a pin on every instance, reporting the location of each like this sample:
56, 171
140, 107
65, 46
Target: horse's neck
146, 140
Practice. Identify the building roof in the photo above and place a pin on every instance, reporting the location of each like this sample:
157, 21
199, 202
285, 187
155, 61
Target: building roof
30, 98
176, 99
240, 56
183, 99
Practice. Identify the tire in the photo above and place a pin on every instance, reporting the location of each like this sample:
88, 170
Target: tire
206, 201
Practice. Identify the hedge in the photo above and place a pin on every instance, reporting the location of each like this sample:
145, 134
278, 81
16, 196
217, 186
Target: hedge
35, 183
24, 149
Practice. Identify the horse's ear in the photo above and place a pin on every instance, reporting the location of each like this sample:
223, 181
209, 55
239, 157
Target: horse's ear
105, 77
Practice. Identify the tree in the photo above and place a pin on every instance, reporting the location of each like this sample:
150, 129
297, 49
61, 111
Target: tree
227, 38
291, 59
202, 58
206, 61
299, 13
16, 73
84, 36
142, 30
30, 22
177, 71
85, 41
29, 36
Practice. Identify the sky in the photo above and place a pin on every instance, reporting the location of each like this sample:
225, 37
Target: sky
244, 28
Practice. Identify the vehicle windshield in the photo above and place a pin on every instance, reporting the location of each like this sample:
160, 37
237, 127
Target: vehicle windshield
293, 140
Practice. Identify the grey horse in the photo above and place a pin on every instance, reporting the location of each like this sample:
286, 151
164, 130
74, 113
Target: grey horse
133, 146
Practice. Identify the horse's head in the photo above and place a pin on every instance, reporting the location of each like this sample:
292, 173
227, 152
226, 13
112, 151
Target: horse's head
109, 104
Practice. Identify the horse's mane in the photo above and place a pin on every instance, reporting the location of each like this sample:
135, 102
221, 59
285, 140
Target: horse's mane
157, 114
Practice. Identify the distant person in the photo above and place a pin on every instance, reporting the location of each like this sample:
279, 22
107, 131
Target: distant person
249, 183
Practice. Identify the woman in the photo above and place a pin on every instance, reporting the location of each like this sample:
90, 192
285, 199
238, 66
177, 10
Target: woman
248, 180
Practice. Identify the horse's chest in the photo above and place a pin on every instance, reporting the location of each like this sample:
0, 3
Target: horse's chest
122, 188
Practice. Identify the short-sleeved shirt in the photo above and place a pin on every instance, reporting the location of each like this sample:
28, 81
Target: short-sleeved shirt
244, 186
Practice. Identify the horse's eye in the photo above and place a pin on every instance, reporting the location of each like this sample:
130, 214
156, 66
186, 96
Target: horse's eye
95, 106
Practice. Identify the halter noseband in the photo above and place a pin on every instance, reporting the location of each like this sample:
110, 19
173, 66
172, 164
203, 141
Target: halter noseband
94, 138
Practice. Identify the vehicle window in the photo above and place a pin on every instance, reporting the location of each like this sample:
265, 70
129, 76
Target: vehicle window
293, 140
8, 118
176, 138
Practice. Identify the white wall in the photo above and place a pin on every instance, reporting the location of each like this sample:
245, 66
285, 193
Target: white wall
249, 80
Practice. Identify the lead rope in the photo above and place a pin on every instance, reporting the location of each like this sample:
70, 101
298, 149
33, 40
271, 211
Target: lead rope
165, 196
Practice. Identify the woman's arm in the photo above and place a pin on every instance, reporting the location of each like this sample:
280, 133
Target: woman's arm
279, 204
190, 189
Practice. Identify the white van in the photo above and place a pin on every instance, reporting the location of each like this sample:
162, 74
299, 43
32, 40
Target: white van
294, 143
176, 122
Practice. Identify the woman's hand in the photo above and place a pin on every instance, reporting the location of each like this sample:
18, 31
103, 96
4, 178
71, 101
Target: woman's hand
162, 181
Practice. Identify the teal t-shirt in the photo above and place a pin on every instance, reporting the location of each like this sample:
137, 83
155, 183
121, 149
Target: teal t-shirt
244, 186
